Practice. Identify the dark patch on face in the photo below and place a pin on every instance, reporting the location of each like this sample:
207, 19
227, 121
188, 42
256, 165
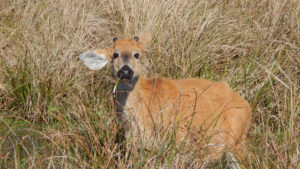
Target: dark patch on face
125, 56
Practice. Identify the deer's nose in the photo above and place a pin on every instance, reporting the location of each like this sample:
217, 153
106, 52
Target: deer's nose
125, 73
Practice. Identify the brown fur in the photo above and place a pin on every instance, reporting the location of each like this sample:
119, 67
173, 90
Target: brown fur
208, 113
200, 110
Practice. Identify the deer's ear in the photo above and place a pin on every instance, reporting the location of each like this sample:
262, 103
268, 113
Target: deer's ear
144, 38
96, 59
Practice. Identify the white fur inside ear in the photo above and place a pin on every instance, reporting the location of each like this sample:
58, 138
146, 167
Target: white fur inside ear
93, 60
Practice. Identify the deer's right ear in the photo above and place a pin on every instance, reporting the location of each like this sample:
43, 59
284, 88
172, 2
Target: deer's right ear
95, 60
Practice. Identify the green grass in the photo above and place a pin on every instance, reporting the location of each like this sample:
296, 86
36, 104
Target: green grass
56, 113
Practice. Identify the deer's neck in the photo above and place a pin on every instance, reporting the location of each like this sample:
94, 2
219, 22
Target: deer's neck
123, 89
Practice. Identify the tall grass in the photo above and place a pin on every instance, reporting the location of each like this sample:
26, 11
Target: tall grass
56, 113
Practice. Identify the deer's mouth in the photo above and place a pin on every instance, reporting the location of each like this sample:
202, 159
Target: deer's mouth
125, 73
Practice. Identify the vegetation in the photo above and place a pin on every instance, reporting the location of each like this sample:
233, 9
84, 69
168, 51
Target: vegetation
56, 113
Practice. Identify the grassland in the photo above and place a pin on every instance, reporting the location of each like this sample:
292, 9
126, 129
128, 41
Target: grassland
54, 113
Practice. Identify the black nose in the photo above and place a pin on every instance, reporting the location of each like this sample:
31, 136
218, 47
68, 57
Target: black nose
125, 73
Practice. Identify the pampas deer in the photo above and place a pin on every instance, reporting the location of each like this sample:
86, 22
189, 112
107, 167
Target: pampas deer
200, 111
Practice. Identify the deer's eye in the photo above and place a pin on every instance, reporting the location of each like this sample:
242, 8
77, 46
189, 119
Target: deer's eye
115, 55
136, 55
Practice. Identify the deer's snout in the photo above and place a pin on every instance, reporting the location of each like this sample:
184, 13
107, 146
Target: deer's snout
125, 73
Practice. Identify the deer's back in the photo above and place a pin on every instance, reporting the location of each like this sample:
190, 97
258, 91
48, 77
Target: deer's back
201, 108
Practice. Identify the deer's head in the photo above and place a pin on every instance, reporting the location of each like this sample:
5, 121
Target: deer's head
125, 56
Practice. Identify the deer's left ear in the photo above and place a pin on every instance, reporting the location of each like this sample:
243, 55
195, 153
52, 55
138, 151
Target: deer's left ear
144, 38
96, 59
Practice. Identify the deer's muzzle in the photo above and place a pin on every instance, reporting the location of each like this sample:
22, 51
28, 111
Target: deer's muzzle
125, 73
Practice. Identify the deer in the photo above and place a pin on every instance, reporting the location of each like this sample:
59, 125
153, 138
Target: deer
207, 113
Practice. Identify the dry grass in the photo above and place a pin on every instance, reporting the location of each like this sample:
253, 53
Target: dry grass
56, 113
